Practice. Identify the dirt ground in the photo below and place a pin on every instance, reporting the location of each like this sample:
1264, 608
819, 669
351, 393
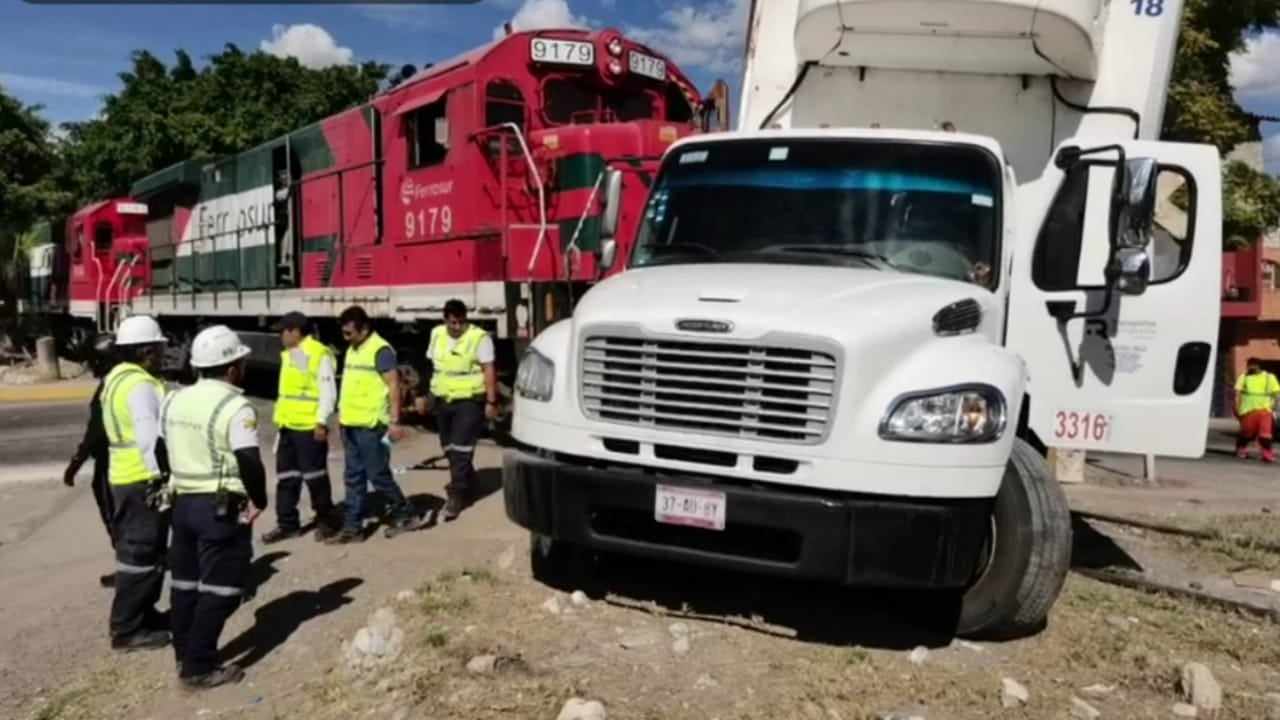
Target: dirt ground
648, 639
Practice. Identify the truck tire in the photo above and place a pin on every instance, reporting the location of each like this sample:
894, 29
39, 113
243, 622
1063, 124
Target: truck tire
1029, 556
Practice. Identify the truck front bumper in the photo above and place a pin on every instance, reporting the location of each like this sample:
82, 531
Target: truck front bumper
874, 541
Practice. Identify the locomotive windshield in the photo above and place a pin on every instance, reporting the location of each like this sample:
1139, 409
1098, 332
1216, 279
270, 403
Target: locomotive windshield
572, 101
918, 207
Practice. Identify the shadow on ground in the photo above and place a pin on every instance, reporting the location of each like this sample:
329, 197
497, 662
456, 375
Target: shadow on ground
1094, 550
277, 620
806, 611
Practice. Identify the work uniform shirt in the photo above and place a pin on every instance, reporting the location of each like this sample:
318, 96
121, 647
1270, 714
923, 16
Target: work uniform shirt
484, 351
325, 379
1256, 392
242, 436
144, 408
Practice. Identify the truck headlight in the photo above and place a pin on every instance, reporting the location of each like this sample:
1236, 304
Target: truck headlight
536, 376
967, 414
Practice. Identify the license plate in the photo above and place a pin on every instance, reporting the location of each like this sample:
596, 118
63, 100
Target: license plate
686, 506
567, 52
648, 66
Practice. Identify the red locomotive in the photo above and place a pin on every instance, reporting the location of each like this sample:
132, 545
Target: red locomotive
482, 177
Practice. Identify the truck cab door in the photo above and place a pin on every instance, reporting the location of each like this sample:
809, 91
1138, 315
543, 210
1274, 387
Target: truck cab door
1116, 320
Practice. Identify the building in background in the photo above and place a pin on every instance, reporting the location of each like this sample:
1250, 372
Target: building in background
1250, 304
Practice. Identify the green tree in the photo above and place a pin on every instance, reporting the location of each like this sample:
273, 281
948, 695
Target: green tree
28, 160
1202, 107
166, 114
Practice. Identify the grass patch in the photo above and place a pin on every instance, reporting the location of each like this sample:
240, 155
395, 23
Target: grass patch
436, 638
57, 708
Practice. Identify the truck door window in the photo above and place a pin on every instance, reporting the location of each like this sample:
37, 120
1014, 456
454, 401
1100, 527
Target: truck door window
1074, 244
425, 151
503, 103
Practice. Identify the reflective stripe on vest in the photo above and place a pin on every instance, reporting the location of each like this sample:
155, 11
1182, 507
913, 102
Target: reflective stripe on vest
456, 373
298, 395
126, 465
364, 401
197, 434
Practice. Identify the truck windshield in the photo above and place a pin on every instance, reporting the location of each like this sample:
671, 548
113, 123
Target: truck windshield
917, 207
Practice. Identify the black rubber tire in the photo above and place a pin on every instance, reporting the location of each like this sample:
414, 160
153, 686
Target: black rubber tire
556, 563
1024, 574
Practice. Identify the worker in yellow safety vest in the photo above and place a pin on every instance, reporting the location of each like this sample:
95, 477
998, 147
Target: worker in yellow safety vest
305, 400
1256, 392
464, 393
211, 431
369, 415
131, 397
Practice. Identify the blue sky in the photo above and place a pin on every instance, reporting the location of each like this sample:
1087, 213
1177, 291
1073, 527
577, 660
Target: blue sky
66, 57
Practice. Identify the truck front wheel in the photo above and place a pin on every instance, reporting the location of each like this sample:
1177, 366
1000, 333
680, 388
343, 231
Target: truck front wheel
1029, 553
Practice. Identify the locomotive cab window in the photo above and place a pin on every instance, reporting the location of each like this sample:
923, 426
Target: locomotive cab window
503, 103
103, 234
567, 102
678, 107
427, 129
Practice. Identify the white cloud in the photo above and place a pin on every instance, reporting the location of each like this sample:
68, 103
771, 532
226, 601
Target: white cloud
312, 45
41, 85
1254, 71
709, 36
542, 14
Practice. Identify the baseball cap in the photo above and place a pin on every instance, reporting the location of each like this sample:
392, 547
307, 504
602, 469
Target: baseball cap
291, 321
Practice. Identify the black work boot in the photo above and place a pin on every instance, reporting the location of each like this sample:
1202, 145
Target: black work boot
453, 506
225, 675
345, 536
278, 534
327, 526
141, 640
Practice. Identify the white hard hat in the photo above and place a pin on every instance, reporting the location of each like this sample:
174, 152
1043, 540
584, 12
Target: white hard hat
139, 330
215, 346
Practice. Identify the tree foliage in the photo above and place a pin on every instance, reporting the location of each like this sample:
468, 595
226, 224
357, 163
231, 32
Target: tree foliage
1202, 107
166, 114
28, 160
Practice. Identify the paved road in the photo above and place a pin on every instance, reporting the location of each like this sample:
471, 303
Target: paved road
40, 434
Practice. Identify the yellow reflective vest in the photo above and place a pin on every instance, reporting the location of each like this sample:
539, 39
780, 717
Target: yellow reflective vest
126, 463
298, 395
1256, 392
197, 436
456, 373
364, 400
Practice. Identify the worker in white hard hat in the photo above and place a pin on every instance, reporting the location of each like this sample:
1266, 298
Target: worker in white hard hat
131, 398
219, 488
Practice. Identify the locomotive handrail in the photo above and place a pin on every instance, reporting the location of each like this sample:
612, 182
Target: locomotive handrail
572, 247
542, 195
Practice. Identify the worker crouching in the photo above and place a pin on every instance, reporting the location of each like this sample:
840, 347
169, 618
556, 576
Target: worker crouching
211, 432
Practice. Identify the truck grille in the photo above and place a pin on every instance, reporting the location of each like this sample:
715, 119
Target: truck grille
738, 390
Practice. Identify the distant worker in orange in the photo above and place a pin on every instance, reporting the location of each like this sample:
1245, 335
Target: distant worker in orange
1256, 392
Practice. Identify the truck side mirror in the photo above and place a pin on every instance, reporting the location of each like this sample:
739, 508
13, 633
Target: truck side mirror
612, 204
608, 254
1137, 203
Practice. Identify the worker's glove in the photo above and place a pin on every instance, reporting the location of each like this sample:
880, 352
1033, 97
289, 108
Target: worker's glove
159, 494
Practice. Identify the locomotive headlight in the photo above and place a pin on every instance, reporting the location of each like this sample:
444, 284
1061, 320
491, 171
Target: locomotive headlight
967, 414
615, 47
615, 67
536, 376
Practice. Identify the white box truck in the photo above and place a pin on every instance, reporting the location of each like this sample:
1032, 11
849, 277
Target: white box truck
943, 238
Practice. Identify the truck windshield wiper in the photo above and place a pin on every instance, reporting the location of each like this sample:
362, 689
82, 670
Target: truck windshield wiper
819, 249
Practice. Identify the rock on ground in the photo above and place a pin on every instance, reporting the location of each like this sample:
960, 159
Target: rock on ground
1201, 688
919, 655
378, 643
680, 645
553, 605
1082, 710
482, 664
406, 596
1183, 710
579, 598
1099, 689
1013, 693
579, 709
